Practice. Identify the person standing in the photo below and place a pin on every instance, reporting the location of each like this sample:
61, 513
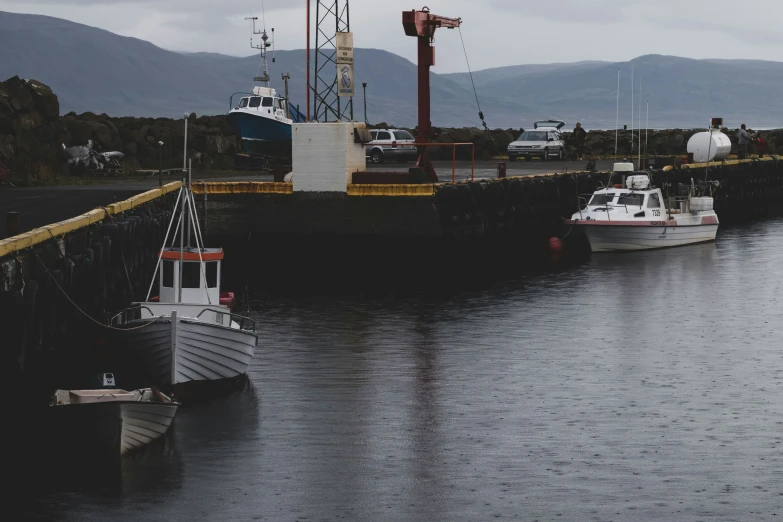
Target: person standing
578, 135
761, 144
743, 139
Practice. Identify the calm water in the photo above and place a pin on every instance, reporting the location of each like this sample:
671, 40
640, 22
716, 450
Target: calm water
639, 387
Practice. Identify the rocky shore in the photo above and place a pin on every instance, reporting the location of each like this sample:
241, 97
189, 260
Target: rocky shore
33, 135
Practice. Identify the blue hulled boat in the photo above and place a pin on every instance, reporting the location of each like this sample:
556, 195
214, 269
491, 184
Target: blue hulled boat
263, 119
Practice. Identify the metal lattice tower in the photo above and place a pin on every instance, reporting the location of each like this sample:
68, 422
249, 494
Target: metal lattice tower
332, 16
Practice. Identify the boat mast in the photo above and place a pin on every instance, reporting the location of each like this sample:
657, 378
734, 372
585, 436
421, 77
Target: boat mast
262, 47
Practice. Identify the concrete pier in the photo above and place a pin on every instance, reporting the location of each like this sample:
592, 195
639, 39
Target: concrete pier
59, 282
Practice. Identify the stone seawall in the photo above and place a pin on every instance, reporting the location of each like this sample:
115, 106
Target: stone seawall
32, 136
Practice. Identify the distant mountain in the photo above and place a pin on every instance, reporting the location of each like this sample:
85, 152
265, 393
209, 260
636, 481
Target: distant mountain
94, 70
487, 76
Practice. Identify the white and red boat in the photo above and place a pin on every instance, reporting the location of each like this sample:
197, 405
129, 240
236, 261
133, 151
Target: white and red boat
188, 333
634, 215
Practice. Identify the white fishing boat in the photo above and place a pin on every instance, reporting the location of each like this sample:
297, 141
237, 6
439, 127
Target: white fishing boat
187, 333
634, 215
111, 421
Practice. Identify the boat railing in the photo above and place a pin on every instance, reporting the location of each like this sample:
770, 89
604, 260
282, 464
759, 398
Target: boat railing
132, 313
245, 323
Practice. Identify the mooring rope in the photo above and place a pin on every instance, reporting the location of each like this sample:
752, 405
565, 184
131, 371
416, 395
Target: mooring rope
85, 314
475, 93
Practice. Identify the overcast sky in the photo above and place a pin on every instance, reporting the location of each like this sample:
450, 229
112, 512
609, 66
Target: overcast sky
497, 32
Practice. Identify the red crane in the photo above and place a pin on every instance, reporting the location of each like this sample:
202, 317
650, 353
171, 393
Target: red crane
422, 24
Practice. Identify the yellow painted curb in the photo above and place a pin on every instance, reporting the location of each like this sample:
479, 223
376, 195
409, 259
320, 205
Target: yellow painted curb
392, 190
242, 187
39, 235
669, 168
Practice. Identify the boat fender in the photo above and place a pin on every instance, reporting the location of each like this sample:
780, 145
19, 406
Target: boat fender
68, 271
106, 250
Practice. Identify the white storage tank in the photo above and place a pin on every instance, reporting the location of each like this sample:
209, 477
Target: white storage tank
706, 146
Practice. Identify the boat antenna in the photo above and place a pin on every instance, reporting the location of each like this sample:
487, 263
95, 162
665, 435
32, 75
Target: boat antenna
640, 122
646, 130
617, 116
632, 85
263, 68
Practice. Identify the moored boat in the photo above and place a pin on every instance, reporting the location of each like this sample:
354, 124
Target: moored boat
632, 214
111, 421
188, 332
262, 119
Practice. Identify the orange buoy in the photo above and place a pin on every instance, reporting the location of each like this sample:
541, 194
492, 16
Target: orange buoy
555, 245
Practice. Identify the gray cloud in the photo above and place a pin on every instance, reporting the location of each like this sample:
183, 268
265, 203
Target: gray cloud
496, 32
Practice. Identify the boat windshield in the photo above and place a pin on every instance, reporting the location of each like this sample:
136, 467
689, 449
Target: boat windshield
532, 136
268, 102
599, 200
633, 199
255, 101
243, 103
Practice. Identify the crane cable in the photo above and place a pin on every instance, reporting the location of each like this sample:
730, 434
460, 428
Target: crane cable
475, 93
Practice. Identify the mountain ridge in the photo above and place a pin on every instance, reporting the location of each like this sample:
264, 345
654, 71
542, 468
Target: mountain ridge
94, 70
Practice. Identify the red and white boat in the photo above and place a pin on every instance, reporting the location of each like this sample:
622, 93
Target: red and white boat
634, 215
188, 333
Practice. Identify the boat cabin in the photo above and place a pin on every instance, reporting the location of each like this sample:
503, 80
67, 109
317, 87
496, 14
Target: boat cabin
198, 272
634, 199
262, 103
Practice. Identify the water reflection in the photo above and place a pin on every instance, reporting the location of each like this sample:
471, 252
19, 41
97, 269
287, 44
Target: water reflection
642, 386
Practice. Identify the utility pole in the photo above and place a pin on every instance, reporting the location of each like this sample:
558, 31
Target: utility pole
185, 155
286, 77
160, 163
364, 86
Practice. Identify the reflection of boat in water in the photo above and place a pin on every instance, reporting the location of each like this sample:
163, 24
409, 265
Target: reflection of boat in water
263, 119
187, 333
112, 421
633, 214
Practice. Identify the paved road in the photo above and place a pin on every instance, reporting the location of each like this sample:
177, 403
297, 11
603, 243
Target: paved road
40, 206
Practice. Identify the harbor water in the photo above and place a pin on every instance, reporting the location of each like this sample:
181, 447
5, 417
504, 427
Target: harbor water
641, 386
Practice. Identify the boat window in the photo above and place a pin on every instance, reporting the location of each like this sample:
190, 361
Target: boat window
255, 101
654, 201
279, 103
633, 199
403, 135
168, 274
599, 200
243, 103
532, 136
268, 102
211, 269
191, 275
384, 136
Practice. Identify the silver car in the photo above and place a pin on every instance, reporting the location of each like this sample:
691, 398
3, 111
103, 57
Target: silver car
544, 142
391, 145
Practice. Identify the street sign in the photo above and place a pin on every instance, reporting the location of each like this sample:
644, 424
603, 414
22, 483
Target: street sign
345, 80
344, 48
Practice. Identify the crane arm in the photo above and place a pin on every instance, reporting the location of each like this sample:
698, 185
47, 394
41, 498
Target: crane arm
423, 23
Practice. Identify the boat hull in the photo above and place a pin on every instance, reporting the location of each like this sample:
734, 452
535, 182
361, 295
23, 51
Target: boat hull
112, 428
261, 135
182, 351
619, 238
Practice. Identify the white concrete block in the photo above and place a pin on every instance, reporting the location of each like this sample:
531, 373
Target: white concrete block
325, 156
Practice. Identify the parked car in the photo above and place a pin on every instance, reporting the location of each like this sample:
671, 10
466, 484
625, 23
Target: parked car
544, 142
391, 145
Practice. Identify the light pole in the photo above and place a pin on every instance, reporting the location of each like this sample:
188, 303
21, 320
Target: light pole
364, 87
160, 163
